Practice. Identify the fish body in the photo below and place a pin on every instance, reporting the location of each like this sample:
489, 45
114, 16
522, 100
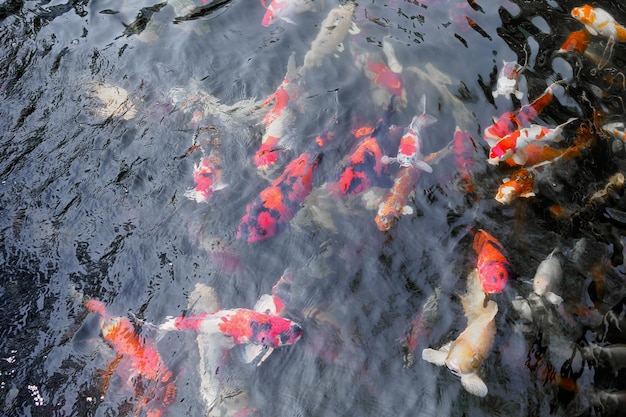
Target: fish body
599, 22
576, 42
242, 325
395, 199
331, 35
463, 149
607, 357
512, 145
420, 328
382, 76
153, 381
521, 184
285, 9
493, 266
548, 277
410, 148
465, 355
510, 122
207, 176
279, 118
508, 78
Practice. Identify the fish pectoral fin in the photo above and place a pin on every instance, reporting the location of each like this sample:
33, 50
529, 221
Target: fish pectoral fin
387, 159
220, 186
553, 298
518, 94
340, 47
423, 166
520, 157
265, 305
474, 385
288, 20
436, 357
591, 30
407, 210
251, 352
354, 29
527, 195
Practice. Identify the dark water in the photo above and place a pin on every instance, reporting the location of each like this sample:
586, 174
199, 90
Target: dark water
93, 206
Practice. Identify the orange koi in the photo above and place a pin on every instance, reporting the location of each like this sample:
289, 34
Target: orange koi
154, 382
520, 184
242, 325
510, 122
279, 202
577, 42
394, 202
493, 266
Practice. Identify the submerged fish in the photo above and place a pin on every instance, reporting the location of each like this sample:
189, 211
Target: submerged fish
520, 184
331, 35
152, 381
548, 277
410, 149
465, 355
115, 101
285, 9
493, 266
207, 175
508, 78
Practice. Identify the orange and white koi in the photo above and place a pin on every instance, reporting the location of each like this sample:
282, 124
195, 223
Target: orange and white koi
493, 266
599, 22
508, 78
410, 149
153, 381
577, 42
278, 203
334, 29
465, 355
284, 9
394, 202
521, 184
510, 122
241, 325
207, 175
278, 119
463, 149
512, 146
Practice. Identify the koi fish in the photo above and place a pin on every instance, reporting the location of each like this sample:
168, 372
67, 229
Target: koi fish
394, 202
466, 353
278, 118
512, 146
510, 122
284, 9
331, 35
493, 266
508, 78
616, 130
279, 202
463, 148
420, 328
548, 277
577, 42
155, 388
242, 326
410, 149
599, 22
521, 184
207, 175
363, 166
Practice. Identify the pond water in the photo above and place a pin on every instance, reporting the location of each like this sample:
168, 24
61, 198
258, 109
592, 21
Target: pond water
107, 108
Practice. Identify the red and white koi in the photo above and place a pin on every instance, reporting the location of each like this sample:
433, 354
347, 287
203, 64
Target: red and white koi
508, 79
284, 10
152, 381
465, 355
207, 175
410, 149
521, 184
242, 326
330, 38
510, 122
512, 146
278, 119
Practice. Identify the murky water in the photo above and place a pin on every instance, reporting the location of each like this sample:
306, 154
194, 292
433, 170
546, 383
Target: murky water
93, 205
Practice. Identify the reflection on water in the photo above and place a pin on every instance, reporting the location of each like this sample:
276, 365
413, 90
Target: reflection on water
116, 113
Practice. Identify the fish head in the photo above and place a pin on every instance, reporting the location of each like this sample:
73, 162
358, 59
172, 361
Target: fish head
95, 306
508, 192
463, 358
274, 331
494, 276
583, 14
